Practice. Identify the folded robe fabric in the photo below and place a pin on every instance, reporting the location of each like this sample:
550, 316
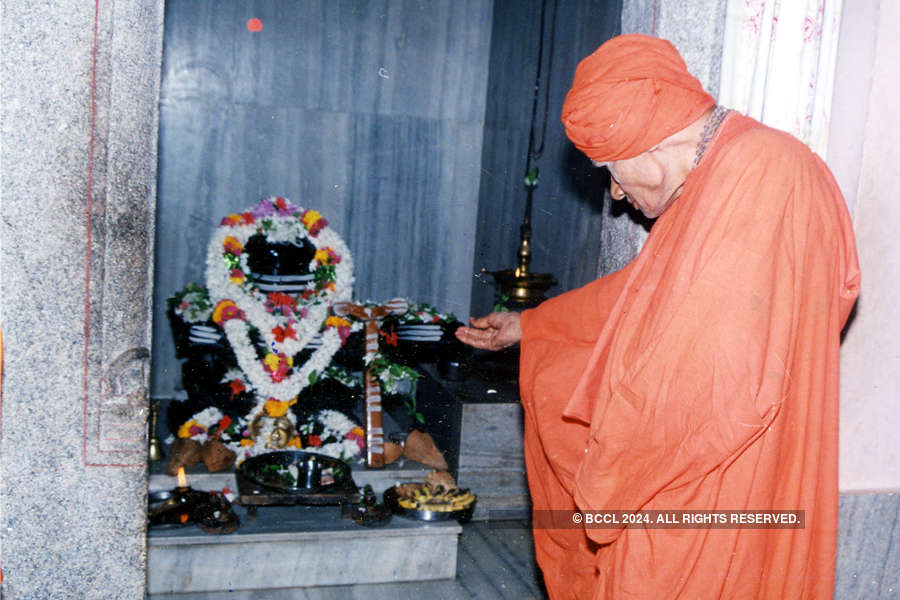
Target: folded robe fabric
703, 376
630, 94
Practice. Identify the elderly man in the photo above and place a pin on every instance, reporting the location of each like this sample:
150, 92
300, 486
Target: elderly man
704, 375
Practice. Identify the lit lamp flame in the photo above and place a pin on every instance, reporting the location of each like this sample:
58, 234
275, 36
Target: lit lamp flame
182, 480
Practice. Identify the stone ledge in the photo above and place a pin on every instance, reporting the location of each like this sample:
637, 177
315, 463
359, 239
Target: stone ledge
303, 546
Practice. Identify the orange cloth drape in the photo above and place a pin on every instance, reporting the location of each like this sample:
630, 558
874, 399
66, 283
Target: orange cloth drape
703, 376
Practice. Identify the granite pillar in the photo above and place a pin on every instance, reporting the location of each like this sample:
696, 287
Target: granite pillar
79, 126
696, 28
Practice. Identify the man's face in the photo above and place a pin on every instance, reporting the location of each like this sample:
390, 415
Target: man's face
648, 181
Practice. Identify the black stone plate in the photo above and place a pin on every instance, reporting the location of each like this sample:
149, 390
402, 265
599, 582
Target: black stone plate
320, 480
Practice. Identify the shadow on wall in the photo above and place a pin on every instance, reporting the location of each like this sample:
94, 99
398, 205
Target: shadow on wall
590, 185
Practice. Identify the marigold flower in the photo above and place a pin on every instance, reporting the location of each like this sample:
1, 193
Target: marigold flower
327, 256
236, 276
313, 221
232, 245
295, 442
231, 220
225, 311
274, 360
247, 442
277, 408
357, 435
185, 430
335, 321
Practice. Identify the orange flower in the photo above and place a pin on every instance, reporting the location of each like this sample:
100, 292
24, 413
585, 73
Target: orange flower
327, 256
276, 408
225, 311
232, 245
313, 221
189, 428
334, 321
295, 442
247, 442
232, 220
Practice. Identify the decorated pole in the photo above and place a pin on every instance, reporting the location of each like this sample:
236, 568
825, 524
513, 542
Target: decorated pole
370, 316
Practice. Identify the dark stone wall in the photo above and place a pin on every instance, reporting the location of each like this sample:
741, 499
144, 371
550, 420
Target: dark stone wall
370, 112
569, 199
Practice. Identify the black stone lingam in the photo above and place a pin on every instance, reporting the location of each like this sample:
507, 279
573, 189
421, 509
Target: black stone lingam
278, 258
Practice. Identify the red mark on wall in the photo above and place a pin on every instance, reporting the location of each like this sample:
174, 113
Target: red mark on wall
254, 25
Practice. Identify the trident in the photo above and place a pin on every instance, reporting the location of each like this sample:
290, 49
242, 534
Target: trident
370, 316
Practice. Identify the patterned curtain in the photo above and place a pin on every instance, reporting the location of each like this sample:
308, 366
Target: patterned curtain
778, 64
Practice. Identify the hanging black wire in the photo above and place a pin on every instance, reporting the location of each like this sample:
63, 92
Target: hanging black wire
536, 150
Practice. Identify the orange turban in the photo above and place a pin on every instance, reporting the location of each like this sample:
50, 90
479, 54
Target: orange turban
633, 92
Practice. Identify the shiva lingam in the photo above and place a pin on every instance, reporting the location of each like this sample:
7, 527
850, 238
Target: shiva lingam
183, 505
519, 287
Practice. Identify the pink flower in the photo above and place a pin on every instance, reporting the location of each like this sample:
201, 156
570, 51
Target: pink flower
812, 29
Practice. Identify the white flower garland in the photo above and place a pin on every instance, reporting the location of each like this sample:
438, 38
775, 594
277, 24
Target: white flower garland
335, 424
229, 278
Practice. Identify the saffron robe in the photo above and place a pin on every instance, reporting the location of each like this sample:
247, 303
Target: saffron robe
702, 376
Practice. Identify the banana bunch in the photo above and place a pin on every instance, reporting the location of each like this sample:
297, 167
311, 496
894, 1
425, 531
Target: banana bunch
424, 496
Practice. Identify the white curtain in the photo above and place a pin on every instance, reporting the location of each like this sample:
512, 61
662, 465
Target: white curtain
778, 64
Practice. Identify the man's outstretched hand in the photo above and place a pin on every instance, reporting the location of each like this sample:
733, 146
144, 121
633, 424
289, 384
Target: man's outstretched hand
495, 331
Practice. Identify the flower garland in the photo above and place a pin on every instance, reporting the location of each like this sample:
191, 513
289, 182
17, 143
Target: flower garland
424, 313
286, 323
329, 432
332, 433
191, 304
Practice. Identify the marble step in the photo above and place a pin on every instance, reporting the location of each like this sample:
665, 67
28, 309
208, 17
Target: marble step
299, 546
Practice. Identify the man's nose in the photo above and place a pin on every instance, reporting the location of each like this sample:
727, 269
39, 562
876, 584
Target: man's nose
615, 190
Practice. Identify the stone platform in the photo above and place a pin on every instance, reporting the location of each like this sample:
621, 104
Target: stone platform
299, 546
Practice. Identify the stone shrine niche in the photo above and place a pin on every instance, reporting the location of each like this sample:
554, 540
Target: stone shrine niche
274, 348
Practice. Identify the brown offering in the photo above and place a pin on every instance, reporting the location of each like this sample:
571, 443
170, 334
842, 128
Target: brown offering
217, 456
392, 451
185, 453
441, 479
420, 447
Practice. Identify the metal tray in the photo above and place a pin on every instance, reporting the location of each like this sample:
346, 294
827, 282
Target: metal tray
391, 500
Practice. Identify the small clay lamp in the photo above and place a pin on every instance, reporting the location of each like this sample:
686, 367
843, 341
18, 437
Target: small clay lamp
184, 495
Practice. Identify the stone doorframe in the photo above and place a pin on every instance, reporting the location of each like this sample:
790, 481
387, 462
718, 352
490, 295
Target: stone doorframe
79, 122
